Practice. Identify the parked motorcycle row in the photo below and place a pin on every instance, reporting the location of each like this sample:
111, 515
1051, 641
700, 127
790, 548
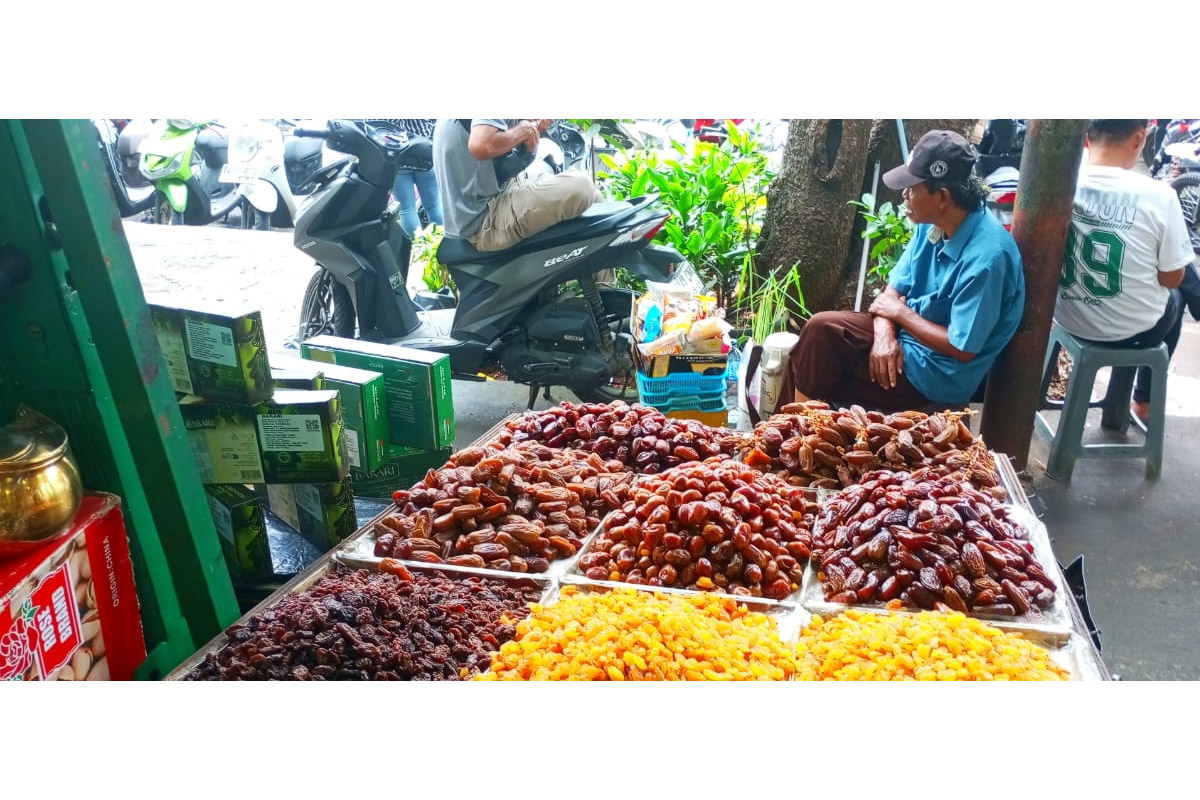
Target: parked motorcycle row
196, 172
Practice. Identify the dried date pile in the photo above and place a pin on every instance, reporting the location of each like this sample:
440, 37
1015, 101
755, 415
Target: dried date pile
638, 436
713, 525
360, 625
810, 444
927, 542
515, 509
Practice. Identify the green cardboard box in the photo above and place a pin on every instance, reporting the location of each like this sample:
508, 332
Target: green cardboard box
300, 437
323, 513
364, 413
224, 441
168, 328
226, 353
296, 373
420, 404
404, 467
238, 516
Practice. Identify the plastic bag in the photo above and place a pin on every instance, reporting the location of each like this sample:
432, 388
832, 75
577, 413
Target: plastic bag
686, 281
709, 328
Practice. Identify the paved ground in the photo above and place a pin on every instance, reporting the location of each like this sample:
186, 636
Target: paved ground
1139, 538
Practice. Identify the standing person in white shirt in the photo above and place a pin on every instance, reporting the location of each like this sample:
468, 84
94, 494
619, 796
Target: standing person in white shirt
1127, 249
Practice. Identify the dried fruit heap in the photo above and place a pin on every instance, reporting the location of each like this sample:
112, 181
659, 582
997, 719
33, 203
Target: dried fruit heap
859, 645
927, 542
359, 625
635, 635
515, 509
712, 525
812, 445
638, 436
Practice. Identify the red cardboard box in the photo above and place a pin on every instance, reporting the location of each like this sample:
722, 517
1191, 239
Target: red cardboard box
69, 610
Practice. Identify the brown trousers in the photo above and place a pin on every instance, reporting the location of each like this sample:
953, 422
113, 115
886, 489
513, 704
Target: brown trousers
831, 363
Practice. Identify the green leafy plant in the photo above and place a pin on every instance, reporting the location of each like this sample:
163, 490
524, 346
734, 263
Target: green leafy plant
424, 255
888, 231
717, 198
766, 303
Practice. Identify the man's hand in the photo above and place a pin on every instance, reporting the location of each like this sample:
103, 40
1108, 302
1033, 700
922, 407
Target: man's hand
528, 132
889, 306
887, 360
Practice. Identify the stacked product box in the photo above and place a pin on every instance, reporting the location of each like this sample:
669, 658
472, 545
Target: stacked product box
364, 412
253, 424
214, 354
420, 403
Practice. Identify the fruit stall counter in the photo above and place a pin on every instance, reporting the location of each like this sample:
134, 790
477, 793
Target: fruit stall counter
611, 542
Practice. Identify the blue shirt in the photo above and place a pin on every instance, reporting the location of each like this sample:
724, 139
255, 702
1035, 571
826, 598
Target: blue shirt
973, 285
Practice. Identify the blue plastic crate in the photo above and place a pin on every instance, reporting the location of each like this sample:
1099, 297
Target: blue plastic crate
692, 403
699, 392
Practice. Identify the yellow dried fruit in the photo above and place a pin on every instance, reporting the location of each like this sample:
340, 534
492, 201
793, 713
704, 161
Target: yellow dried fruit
628, 634
861, 645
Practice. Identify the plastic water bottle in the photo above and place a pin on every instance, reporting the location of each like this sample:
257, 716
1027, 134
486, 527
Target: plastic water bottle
731, 384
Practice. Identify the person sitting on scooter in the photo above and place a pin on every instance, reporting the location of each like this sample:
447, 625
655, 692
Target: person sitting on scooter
477, 207
1128, 249
953, 300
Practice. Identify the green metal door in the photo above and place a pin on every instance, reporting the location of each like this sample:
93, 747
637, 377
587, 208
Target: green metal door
77, 343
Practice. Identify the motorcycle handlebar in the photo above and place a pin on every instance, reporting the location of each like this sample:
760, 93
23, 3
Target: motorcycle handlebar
311, 133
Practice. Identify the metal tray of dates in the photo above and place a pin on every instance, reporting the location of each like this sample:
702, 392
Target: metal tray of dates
575, 574
361, 553
1056, 623
301, 583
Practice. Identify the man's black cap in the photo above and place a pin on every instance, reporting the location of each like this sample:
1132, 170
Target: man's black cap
938, 156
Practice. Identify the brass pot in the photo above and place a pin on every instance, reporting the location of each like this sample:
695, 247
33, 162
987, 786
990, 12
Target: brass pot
40, 490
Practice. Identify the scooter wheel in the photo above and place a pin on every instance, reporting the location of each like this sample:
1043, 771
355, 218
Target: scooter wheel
327, 308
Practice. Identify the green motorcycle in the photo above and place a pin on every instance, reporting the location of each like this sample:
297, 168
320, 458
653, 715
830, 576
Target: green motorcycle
202, 171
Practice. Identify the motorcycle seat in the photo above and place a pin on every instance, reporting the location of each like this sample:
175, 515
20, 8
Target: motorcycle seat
299, 149
452, 252
212, 140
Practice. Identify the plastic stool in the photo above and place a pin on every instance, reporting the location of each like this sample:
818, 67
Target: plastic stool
1066, 442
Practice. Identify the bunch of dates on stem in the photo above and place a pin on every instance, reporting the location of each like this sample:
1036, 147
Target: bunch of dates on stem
641, 437
924, 541
810, 444
515, 509
712, 525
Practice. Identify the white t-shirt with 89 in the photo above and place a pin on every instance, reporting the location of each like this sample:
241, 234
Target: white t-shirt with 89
1125, 229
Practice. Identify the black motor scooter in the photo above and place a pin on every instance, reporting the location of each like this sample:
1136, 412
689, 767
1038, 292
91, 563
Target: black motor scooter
516, 312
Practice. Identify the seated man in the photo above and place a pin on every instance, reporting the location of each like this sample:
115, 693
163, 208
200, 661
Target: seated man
953, 300
477, 207
1127, 249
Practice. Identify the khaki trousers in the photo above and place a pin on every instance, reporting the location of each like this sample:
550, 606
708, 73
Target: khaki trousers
527, 206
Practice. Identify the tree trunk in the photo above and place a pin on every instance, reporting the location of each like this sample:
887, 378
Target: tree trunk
808, 221
826, 164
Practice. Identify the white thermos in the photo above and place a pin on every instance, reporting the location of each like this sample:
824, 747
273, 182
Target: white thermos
776, 350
